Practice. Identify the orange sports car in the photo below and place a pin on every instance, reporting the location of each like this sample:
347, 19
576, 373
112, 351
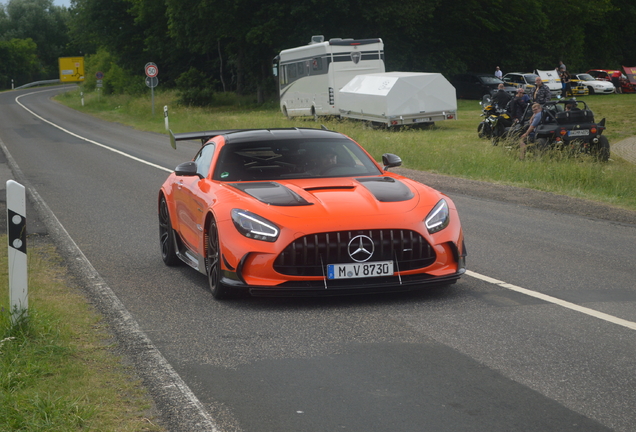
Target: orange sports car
298, 212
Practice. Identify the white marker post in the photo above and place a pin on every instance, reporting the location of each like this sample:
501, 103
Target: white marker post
16, 227
165, 116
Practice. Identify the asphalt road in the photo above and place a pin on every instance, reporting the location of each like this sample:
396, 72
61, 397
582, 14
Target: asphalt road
539, 336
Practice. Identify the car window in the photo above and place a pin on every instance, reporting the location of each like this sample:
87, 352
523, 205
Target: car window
203, 159
491, 80
530, 78
585, 77
287, 159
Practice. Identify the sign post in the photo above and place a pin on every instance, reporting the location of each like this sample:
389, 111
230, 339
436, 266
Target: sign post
152, 71
17, 253
165, 117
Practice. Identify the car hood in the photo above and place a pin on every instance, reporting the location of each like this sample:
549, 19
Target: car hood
377, 195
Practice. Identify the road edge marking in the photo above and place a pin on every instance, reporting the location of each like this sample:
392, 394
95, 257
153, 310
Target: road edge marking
170, 387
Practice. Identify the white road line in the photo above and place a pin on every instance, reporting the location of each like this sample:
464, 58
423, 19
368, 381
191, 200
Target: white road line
556, 301
88, 140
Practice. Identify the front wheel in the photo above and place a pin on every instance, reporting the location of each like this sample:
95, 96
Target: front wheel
480, 130
590, 90
213, 261
167, 236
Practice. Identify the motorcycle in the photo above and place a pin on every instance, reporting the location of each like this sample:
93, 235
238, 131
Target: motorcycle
495, 120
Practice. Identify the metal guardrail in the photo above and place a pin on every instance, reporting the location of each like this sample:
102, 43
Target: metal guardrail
37, 83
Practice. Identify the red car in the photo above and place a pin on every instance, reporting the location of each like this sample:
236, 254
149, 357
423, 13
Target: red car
614, 76
298, 212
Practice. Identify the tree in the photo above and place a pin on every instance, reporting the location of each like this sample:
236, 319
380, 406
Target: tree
44, 24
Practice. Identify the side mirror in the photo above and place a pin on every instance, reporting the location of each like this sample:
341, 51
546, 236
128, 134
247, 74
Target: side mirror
187, 169
390, 160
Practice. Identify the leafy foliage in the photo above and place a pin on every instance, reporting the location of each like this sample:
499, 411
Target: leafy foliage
232, 43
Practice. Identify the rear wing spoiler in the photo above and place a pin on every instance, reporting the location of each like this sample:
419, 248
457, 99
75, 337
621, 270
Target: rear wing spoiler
203, 136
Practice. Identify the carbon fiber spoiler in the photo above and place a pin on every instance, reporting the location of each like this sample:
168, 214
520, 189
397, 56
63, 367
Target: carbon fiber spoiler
203, 136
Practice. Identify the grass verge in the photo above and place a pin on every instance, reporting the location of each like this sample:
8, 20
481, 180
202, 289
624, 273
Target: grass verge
450, 148
58, 368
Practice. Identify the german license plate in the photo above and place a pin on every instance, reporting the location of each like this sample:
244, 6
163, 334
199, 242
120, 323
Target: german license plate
421, 120
360, 270
579, 132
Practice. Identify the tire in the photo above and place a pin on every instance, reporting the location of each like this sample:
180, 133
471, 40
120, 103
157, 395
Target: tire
602, 150
541, 144
590, 89
167, 239
313, 113
213, 261
480, 130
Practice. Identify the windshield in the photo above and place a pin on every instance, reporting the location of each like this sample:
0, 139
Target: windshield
290, 159
530, 78
585, 77
490, 80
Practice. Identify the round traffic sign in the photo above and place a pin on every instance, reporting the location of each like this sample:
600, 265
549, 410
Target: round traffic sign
99, 75
151, 70
152, 82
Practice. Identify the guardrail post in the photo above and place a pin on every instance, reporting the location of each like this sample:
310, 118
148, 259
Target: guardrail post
165, 116
16, 229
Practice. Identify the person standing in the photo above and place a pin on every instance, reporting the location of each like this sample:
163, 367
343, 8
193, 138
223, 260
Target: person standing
561, 66
566, 81
498, 72
616, 80
542, 93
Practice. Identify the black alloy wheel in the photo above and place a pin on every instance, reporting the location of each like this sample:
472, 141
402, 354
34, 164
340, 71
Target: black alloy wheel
213, 261
167, 236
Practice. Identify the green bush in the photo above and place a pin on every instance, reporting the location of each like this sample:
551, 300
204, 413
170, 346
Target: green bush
195, 89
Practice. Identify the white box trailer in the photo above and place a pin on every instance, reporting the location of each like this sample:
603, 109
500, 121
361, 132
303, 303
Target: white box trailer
399, 98
312, 77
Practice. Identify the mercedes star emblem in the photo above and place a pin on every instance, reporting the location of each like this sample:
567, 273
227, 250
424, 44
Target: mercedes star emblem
361, 248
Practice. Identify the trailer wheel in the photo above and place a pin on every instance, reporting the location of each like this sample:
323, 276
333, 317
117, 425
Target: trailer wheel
285, 113
313, 113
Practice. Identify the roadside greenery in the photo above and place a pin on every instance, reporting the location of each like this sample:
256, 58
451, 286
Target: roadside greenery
58, 370
451, 148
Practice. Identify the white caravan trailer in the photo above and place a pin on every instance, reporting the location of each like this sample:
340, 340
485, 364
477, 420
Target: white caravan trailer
310, 77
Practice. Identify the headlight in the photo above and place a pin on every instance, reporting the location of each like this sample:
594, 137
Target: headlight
438, 218
253, 226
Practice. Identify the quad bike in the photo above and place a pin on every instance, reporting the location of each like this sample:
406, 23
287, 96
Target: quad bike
567, 125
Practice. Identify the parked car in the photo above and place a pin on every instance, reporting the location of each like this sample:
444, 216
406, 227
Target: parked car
526, 81
478, 85
594, 86
298, 212
611, 75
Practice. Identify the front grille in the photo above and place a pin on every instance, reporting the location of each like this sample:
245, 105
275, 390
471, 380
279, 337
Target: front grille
308, 255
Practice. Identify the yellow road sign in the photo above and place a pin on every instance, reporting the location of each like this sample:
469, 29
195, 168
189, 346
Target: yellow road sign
71, 69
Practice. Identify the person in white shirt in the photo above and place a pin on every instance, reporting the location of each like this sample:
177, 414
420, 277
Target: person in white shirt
498, 72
